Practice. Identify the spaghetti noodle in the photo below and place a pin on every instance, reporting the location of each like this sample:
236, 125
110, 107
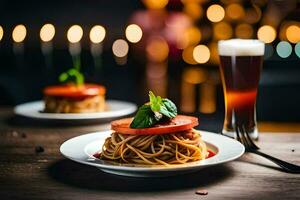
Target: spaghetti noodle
65, 105
165, 149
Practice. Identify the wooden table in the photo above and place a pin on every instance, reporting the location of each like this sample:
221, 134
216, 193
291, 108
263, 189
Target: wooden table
26, 173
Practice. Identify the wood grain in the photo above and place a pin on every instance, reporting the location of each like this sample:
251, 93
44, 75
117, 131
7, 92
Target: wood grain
25, 174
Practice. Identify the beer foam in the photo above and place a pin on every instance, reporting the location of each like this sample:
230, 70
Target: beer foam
241, 47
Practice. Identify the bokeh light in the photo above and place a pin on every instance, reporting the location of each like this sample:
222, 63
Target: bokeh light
155, 4
222, 31
133, 33
193, 9
157, 49
253, 15
74, 34
235, 11
47, 32
244, 31
284, 49
191, 36
266, 34
293, 33
215, 13
1, 33
19, 33
214, 55
297, 49
201, 53
187, 55
120, 48
97, 34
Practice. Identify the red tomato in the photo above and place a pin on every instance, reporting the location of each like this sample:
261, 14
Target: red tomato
73, 91
177, 124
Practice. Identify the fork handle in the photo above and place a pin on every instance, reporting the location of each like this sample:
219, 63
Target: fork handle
288, 167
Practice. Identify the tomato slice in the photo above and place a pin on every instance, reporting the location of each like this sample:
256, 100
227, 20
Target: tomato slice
177, 124
73, 91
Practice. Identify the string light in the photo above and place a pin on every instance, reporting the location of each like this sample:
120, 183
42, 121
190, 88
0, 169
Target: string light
157, 49
201, 53
191, 36
253, 15
284, 49
293, 33
133, 33
47, 32
19, 33
214, 55
266, 34
222, 31
297, 49
187, 55
120, 48
215, 13
235, 11
1, 33
155, 4
244, 31
74, 34
97, 34
193, 9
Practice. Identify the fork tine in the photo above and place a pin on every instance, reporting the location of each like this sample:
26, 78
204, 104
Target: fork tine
237, 134
250, 141
244, 141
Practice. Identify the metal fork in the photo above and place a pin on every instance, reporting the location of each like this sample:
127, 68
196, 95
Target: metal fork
243, 137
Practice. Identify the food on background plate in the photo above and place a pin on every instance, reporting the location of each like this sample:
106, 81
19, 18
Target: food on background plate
69, 98
155, 136
74, 96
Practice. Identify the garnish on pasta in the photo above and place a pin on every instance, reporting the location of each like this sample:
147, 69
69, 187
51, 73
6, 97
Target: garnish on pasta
155, 136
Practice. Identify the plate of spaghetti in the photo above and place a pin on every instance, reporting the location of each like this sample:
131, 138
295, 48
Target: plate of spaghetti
75, 101
156, 142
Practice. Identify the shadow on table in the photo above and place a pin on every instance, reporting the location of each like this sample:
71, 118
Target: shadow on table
260, 162
77, 175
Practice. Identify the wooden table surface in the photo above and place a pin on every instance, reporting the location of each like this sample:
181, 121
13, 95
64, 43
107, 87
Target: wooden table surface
28, 174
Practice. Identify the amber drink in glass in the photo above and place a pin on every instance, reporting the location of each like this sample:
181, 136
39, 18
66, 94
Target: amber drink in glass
240, 66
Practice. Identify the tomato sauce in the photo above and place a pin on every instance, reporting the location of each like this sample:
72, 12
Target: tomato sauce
210, 154
97, 155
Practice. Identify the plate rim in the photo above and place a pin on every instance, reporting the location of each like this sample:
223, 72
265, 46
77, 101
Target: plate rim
190, 166
19, 110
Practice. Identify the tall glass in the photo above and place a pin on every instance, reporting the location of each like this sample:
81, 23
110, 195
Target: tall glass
240, 67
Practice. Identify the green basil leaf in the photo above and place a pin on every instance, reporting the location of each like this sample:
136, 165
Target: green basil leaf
79, 79
72, 76
63, 77
144, 118
168, 108
155, 102
156, 110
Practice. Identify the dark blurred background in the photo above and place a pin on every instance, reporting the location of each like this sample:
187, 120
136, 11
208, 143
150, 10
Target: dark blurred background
171, 49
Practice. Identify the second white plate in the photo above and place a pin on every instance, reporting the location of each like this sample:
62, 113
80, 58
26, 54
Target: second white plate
116, 109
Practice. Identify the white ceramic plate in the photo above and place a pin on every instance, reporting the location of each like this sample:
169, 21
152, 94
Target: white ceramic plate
116, 109
82, 148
